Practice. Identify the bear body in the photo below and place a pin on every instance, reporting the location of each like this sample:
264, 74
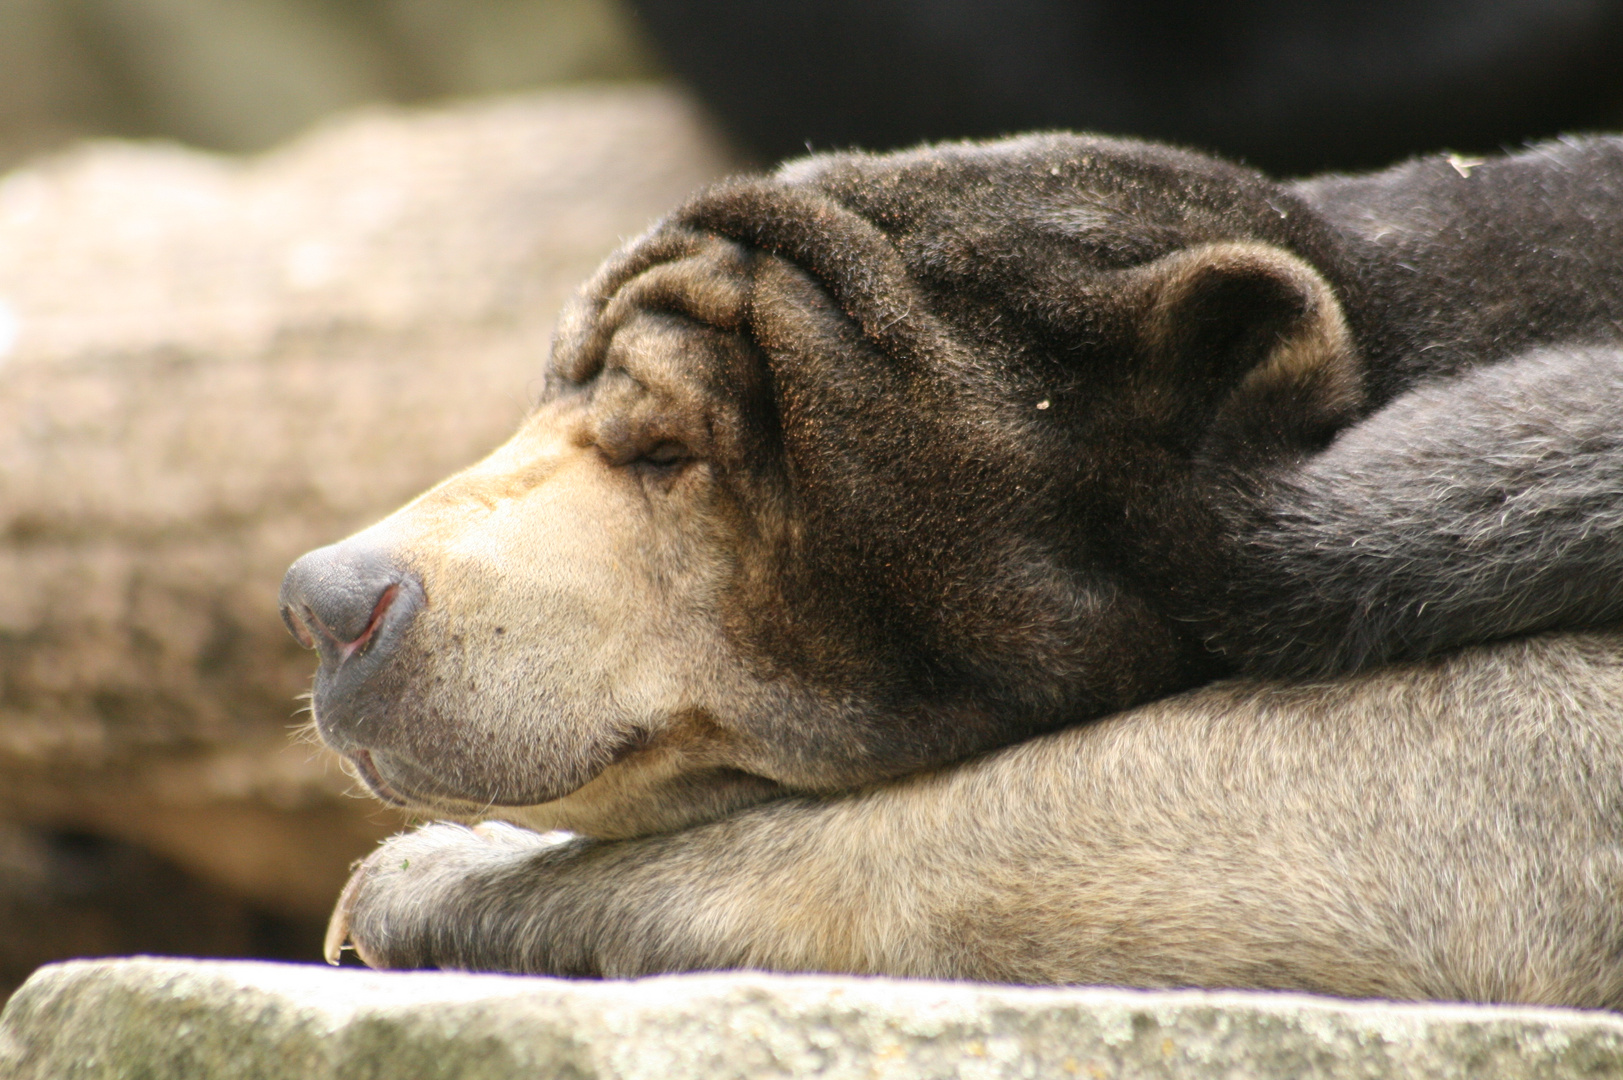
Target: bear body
845, 475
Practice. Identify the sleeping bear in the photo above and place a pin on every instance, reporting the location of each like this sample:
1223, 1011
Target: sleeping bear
856, 491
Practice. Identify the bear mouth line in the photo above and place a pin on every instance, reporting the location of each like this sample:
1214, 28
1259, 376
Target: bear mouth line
403, 794
373, 778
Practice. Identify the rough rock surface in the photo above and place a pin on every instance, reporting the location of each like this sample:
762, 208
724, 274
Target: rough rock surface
209, 365
203, 1020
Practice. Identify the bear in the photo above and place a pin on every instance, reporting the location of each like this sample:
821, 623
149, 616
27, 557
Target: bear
846, 475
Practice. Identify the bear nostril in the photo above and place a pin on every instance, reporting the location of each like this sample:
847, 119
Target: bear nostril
296, 627
343, 600
379, 610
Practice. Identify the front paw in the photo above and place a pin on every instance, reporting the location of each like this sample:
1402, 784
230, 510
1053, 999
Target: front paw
422, 898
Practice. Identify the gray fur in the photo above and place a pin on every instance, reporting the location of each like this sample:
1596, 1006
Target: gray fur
1485, 505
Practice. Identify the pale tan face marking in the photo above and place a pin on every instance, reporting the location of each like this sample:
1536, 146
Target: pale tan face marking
571, 624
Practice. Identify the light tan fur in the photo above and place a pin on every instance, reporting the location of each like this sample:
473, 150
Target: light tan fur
546, 566
1447, 830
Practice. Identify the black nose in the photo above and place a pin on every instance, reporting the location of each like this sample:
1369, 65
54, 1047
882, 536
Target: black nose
351, 602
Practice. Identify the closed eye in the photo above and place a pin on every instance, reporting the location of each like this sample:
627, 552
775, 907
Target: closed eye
665, 454
663, 464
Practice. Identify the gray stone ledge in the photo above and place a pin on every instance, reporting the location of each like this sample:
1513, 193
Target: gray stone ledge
246, 1021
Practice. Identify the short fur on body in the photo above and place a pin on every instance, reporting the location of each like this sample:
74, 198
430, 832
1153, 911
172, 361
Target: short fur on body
882, 462
1492, 501
1447, 830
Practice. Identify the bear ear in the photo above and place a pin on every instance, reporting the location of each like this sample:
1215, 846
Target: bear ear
1245, 352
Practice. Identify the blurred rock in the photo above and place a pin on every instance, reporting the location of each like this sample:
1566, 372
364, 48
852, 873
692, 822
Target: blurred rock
208, 366
245, 74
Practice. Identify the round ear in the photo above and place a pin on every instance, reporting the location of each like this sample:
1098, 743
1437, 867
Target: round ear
1246, 352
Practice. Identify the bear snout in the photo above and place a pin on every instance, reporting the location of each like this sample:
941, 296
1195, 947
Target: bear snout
352, 602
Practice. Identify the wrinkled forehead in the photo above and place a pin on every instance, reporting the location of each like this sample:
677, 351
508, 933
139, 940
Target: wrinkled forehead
1136, 200
876, 234
655, 311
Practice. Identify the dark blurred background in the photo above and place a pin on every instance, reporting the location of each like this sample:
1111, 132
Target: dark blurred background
208, 364
1293, 87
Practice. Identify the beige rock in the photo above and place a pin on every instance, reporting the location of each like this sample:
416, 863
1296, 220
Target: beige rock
208, 366
201, 1020
246, 74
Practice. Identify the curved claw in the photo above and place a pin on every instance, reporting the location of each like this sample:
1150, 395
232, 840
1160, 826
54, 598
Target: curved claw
332, 946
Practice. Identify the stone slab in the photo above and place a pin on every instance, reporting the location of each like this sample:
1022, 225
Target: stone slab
247, 1021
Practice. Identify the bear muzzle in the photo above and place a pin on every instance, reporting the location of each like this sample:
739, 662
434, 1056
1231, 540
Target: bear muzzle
353, 603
